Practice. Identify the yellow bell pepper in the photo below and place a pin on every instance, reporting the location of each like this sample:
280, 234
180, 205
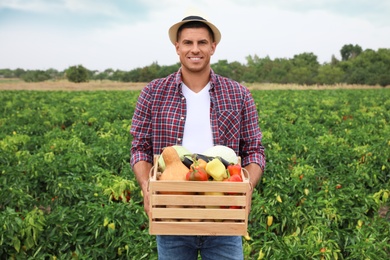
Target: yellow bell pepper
216, 169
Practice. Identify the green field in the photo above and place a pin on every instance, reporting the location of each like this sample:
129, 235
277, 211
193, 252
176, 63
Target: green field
64, 156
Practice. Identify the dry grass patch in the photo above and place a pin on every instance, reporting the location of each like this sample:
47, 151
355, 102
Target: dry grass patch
64, 85
272, 86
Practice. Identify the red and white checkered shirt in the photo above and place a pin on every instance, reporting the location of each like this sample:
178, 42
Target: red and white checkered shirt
160, 115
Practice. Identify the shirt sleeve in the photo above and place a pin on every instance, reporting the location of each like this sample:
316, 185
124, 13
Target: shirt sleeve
141, 129
251, 148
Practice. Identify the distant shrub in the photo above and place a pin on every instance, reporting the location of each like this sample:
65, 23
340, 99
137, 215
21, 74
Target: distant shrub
35, 76
77, 74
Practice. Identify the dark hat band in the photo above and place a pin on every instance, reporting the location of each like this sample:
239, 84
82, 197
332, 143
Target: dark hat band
193, 18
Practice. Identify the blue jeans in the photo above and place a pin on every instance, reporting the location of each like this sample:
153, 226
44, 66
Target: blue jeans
210, 247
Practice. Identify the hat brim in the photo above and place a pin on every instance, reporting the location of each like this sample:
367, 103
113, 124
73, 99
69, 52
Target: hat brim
174, 28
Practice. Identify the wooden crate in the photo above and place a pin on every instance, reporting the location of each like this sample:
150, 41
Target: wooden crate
193, 213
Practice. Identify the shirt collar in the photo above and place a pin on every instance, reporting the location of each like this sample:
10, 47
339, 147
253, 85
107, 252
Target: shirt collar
178, 81
213, 79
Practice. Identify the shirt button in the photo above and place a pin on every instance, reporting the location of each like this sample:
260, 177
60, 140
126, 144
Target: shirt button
182, 98
182, 118
179, 139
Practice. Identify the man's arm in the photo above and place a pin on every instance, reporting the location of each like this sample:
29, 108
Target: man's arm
255, 174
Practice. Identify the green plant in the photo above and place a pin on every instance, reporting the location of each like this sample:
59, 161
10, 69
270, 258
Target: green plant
64, 163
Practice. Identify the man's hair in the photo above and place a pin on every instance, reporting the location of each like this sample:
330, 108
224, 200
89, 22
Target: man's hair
195, 24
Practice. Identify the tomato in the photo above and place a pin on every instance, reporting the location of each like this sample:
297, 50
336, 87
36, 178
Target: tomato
197, 174
235, 178
197, 171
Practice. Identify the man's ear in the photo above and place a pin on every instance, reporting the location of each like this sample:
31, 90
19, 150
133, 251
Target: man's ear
177, 48
213, 47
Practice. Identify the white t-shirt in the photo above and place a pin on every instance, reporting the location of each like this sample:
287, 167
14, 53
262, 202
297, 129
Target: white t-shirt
198, 136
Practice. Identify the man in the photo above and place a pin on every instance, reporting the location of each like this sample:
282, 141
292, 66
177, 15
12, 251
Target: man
198, 109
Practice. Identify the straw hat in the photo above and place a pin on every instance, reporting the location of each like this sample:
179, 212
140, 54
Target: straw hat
174, 28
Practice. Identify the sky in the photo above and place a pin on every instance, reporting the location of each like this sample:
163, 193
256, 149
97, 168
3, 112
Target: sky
129, 34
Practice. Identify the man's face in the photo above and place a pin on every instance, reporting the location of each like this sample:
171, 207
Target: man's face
195, 47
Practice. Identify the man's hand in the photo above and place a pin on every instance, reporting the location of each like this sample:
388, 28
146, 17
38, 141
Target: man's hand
146, 196
255, 173
141, 170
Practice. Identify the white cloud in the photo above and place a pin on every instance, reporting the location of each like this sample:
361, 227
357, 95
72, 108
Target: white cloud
90, 7
36, 6
123, 37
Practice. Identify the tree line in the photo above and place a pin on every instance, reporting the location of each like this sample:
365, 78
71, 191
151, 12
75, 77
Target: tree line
357, 66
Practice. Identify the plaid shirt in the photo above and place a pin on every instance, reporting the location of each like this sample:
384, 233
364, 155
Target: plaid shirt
160, 114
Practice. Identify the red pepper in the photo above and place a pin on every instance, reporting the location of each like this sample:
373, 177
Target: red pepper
234, 169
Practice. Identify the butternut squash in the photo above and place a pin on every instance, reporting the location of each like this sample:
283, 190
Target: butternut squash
175, 170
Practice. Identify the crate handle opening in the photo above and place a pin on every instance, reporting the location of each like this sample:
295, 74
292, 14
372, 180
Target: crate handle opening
245, 175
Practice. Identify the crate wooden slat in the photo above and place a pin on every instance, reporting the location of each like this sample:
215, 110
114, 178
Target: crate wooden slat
191, 212
197, 200
199, 228
196, 186
199, 213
